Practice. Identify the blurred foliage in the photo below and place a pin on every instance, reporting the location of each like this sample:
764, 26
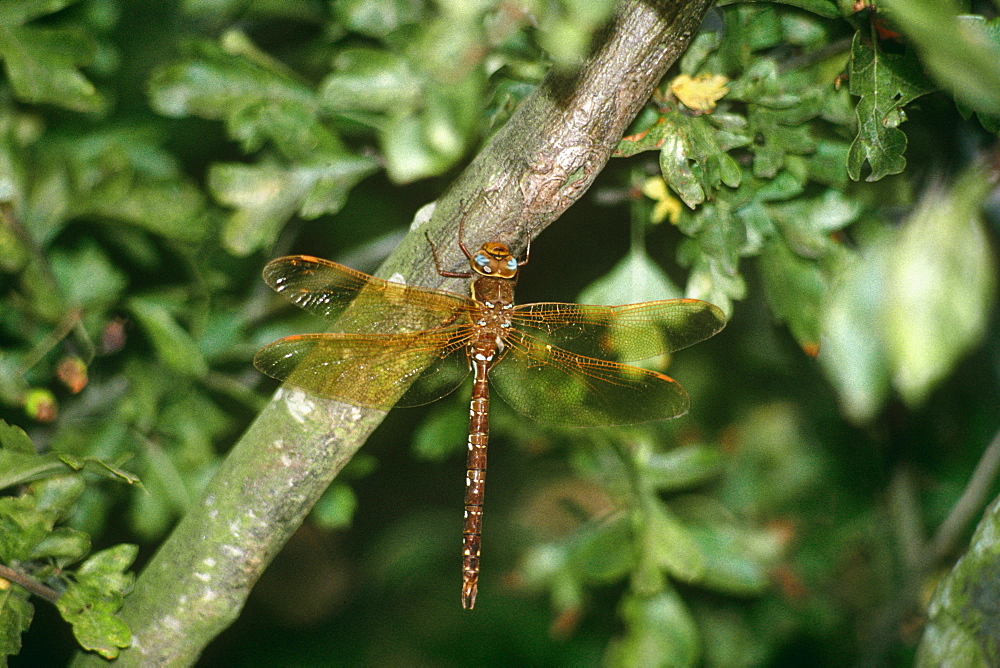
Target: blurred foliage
828, 169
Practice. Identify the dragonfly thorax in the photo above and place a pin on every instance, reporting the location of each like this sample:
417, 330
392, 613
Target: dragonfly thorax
494, 259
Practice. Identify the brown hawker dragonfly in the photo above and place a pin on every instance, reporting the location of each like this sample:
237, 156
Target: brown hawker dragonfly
407, 346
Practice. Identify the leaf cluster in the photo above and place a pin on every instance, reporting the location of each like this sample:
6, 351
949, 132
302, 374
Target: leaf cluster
53, 559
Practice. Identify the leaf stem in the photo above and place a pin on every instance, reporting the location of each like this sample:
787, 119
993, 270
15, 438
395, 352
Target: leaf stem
29, 583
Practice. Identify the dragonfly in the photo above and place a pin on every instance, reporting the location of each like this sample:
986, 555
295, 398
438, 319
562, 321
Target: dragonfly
558, 363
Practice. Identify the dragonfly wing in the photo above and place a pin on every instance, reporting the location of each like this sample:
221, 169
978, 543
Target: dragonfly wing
327, 289
556, 386
377, 371
629, 332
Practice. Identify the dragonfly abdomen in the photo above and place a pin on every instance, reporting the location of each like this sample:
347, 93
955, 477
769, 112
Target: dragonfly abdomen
475, 473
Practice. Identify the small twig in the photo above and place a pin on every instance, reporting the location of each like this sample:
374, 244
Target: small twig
32, 585
968, 505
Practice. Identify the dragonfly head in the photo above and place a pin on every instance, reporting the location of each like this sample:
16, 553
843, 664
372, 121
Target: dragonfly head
494, 259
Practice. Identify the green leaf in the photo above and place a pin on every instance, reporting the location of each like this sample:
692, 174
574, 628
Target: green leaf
545, 566
411, 157
17, 12
101, 468
213, 83
121, 175
63, 545
193, 423
335, 509
59, 495
795, 288
719, 238
432, 140
636, 278
825, 8
681, 468
92, 615
150, 516
373, 80
27, 520
87, 278
602, 551
774, 464
95, 595
15, 441
106, 569
669, 543
566, 29
171, 342
172, 209
266, 195
826, 164
854, 349
941, 285
292, 127
962, 53
42, 62
442, 432
738, 559
21, 527
657, 626
703, 44
916, 301
16, 613
693, 151
886, 83
20, 469
377, 18
963, 611
779, 106
169, 494
806, 224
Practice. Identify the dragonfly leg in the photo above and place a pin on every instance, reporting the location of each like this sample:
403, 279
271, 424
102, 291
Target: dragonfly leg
437, 264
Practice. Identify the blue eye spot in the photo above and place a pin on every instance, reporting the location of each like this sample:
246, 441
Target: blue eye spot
481, 260
512, 264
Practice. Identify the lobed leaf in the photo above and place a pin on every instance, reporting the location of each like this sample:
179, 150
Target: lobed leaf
885, 82
42, 66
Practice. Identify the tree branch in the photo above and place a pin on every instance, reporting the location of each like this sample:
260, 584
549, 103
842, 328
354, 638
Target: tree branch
532, 170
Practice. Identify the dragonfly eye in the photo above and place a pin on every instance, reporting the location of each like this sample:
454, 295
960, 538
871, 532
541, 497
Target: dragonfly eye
512, 264
481, 260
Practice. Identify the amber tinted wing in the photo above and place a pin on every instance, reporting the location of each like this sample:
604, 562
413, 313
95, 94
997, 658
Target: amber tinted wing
371, 370
629, 332
556, 386
327, 289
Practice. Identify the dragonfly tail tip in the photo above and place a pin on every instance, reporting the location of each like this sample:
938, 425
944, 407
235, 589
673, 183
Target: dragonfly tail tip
469, 590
